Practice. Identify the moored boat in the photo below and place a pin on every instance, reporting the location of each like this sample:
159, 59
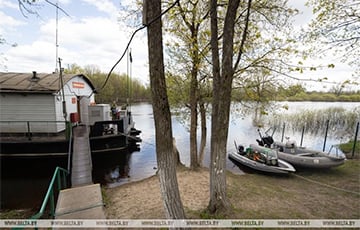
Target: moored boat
39, 110
302, 157
261, 159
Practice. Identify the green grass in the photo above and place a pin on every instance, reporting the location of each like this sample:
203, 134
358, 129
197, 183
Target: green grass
309, 194
348, 147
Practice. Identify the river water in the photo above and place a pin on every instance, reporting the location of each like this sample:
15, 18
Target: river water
24, 183
241, 130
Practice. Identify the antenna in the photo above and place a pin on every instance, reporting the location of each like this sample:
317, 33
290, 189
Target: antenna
56, 5
56, 38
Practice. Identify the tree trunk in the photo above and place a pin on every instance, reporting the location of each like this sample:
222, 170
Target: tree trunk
166, 158
194, 163
193, 120
203, 133
222, 82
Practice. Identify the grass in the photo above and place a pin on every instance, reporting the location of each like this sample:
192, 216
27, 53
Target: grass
347, 148
307, 194
16, 214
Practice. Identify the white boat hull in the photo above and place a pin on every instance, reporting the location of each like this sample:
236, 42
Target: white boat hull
307, 158
282, 168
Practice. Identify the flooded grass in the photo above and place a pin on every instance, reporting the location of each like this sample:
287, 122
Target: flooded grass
342, 122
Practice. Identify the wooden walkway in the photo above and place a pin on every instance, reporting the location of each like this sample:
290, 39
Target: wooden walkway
84, 199
81, 173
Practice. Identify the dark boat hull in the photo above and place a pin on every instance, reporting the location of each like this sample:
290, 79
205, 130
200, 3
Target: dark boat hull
53, 148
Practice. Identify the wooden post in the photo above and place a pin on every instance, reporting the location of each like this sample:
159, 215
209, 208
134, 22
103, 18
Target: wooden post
326, 132
355, 139
302, 136
283, 131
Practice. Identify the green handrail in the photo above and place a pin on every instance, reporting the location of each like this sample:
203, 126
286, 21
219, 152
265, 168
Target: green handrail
59, 176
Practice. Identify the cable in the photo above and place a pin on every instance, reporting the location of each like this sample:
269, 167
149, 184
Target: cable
131, 38
327, 185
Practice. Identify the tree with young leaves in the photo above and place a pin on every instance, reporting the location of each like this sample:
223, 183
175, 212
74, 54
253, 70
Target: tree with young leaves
337, 27
223, 73
252, 41
188, 48
165, 153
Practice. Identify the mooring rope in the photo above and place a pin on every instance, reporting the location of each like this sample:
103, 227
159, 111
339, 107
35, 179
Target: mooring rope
327, 185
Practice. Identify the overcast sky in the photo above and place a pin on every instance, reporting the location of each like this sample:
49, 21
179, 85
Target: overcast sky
91, 35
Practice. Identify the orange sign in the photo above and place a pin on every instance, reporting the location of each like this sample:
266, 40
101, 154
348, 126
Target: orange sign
78, 85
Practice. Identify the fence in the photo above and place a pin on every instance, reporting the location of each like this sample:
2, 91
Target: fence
31, 129
326, 135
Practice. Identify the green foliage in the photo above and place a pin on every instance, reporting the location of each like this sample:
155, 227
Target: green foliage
336, 27
119, 87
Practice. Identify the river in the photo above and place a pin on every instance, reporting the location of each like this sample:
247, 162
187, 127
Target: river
241, 130
27, 185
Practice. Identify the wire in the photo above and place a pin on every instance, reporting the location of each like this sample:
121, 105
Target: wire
327, 185
131, 38
56, 5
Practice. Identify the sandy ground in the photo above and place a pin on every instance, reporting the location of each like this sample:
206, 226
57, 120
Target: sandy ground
142, 199
322, 194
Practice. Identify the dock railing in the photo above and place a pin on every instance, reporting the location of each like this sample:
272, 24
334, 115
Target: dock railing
35, 129
58, 182
60, 179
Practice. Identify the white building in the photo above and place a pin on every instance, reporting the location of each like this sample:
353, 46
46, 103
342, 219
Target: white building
34, 101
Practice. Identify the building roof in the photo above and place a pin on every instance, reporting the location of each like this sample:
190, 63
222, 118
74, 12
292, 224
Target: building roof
36, 82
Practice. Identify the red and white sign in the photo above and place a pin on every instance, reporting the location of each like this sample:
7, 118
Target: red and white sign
78, 85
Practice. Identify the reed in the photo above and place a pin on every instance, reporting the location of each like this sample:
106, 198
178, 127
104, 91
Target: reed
342, 122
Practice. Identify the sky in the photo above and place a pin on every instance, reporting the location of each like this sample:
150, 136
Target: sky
92, 34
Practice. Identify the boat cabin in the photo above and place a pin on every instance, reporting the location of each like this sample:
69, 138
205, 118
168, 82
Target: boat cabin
43, 103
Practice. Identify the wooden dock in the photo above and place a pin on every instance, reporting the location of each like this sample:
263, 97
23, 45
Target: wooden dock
84, 199
81, 173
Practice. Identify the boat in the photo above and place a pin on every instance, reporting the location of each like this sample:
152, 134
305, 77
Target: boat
302, 157
38, 112
261, 159
104, 136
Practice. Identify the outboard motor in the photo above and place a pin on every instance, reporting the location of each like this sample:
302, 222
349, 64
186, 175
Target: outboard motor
241, 150
265, 141
260, 142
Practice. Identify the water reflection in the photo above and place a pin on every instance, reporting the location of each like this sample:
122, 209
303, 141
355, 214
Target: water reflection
24, 181
112, 168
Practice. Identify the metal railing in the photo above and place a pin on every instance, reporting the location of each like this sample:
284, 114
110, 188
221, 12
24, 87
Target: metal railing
30, 128
59, 178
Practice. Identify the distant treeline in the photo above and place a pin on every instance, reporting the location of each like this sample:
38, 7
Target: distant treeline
324, 96
118, 87
293, 93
